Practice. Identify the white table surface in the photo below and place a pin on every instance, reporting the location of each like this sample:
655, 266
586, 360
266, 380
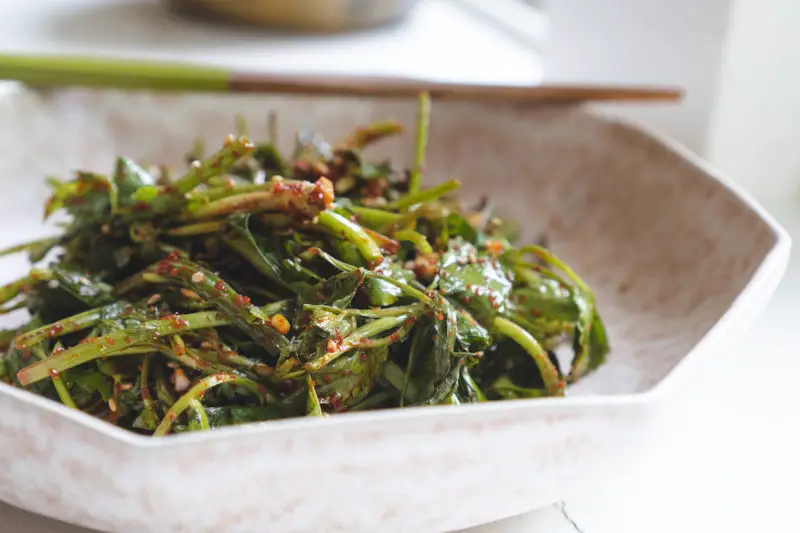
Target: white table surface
727, 459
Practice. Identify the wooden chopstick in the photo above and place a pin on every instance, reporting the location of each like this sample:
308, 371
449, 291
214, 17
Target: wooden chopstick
95, 72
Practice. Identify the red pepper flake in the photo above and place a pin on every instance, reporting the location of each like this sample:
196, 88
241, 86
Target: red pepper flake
395, 337
177, 321
335, 400
55, 330
163, 266
174, 272
326, 378
141, 206
110, 341
219, 285
128, 340
494, 247
87, 340
241, 301
53, 373
278, 186
364, 356
173, 256
439, 316
59, 349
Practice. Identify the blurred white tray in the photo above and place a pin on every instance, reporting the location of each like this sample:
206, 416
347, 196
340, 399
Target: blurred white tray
441, 39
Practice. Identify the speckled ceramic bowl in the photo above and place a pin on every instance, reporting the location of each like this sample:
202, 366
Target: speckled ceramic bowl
681, 262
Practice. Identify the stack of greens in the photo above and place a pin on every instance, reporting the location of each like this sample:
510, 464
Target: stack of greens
257, 286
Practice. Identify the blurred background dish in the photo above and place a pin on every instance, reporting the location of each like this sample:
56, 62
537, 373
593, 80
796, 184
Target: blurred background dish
305, 15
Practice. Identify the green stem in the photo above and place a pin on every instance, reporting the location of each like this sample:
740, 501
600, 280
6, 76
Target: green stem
219, 163
372, 401
360, 338
195, 393
292, 197
147, 400
164, 393
200, 419
13, 289
424, 196
418, 239
407, 289
200, 228
371, 133
110, 345
313, 407
352, 232
251, 319
71, 324
423, 122
552, 381
62, 391
546, 255
368, 313
217, 193
15, 307
46, 241
375, 218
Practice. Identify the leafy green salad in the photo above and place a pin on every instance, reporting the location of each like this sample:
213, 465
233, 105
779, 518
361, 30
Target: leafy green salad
256, 285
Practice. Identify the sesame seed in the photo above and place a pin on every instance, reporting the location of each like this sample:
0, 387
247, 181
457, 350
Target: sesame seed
190, 294
112, 404
198, 277
180, 380
153, 299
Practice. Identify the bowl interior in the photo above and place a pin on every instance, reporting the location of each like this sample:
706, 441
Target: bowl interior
666, 247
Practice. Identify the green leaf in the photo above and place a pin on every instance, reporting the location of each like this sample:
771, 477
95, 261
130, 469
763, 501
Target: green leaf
446, 392
350, 378
431, 349
91, 292
313, 407
471, 336
283, 272
128, 178
477, 281
91, 381
457, 226
244, 414
382, 293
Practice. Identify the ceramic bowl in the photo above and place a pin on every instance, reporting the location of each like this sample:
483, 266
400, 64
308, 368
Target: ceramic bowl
681, 260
